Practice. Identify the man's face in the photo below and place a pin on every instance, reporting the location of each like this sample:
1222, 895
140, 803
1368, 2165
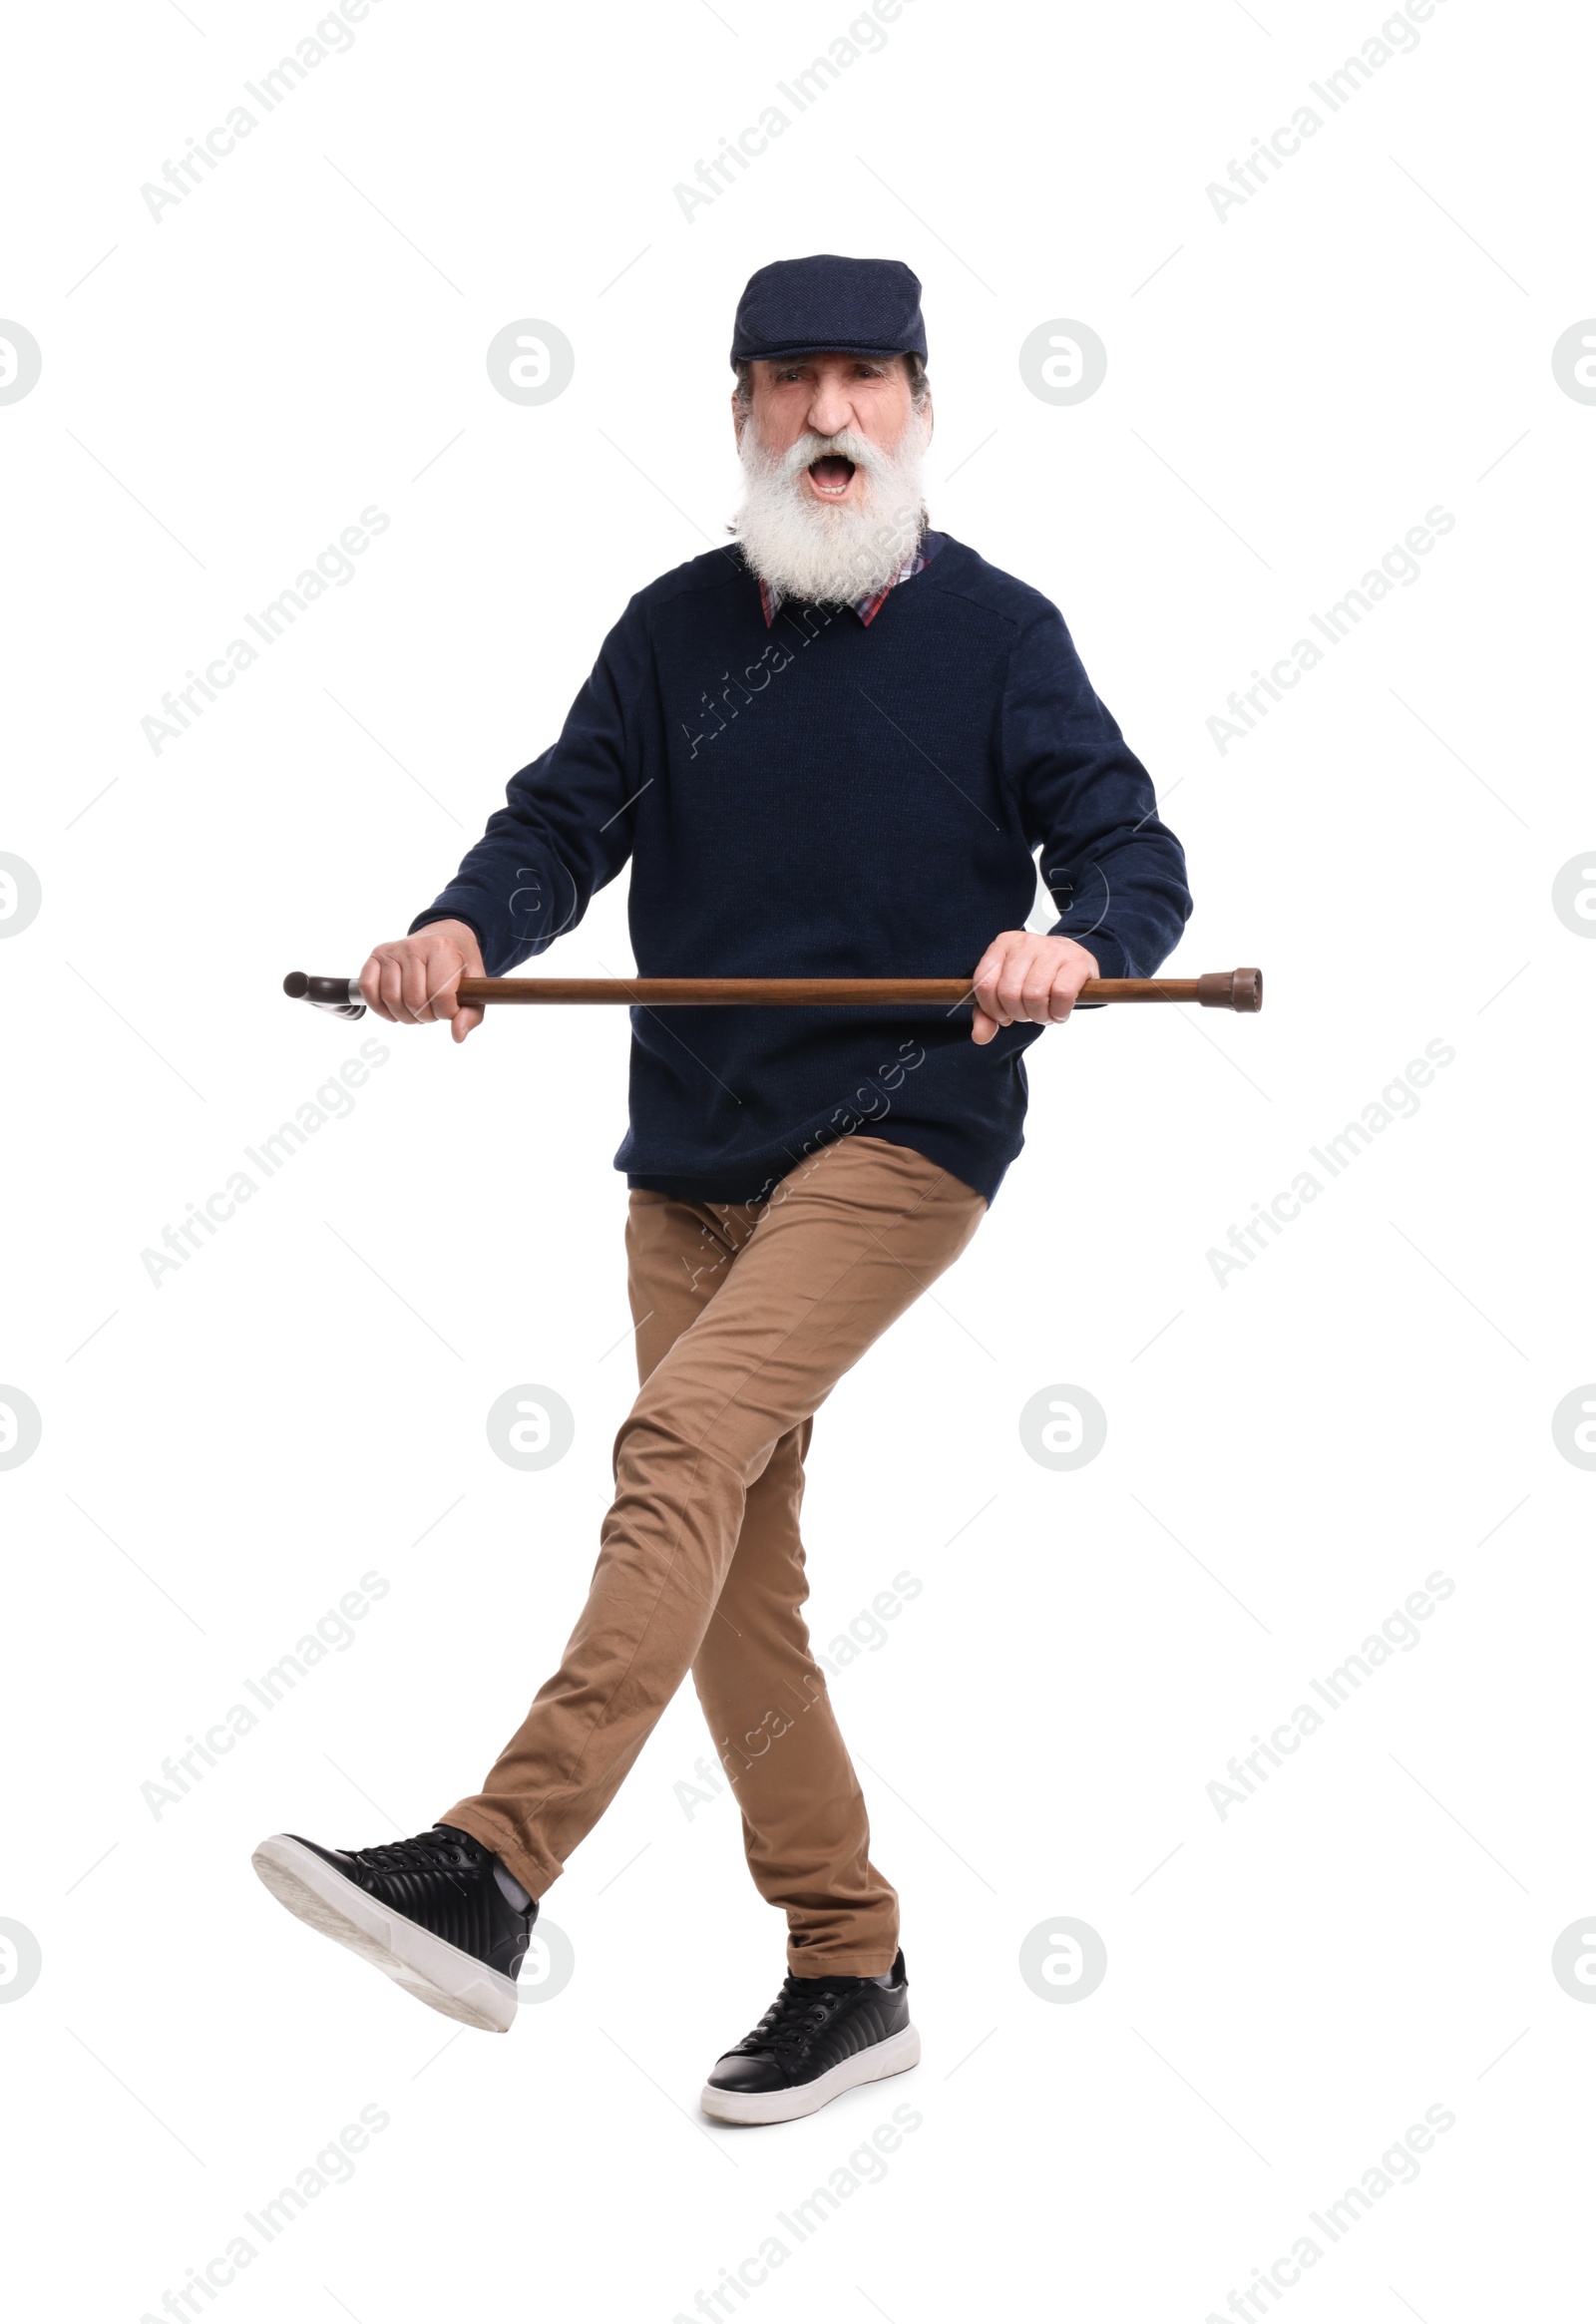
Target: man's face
828, 395
831, 448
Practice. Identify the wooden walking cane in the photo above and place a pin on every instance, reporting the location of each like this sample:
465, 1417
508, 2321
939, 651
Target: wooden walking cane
1238, 989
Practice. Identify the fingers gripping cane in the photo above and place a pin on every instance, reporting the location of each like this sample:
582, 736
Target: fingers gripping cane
1240, 989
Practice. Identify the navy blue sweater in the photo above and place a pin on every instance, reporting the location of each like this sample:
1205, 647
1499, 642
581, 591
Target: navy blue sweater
819, 798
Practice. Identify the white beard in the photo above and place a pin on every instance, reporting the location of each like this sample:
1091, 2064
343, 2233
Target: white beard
831, 555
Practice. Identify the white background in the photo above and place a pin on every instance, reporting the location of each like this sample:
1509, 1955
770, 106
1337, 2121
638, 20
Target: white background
1290, 388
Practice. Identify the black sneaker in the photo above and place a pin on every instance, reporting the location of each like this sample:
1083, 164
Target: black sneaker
439, 1914
819, 2037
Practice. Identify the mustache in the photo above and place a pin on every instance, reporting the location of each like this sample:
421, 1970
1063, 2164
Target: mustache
844, 445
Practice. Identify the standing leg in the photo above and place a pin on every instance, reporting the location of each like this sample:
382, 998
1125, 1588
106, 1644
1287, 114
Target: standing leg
803, 1824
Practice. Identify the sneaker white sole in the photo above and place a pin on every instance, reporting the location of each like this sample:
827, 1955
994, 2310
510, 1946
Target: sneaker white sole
894, 2056
448, 1980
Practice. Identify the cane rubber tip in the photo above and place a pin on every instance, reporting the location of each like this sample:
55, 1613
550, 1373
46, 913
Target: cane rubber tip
297, 985
1247, 988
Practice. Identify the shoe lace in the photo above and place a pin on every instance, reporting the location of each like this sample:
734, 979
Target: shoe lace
428, 1851
798, 2012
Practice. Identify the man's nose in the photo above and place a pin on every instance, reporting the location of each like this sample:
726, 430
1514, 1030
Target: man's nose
830, 411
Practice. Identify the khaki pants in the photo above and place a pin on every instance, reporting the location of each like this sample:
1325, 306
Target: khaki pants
743, 1330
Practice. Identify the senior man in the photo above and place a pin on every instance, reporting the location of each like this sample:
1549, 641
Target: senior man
839, 747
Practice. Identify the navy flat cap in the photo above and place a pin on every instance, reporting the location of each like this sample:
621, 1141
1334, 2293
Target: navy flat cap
812, 306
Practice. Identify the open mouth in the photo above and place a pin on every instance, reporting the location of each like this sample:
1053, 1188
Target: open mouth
830, 477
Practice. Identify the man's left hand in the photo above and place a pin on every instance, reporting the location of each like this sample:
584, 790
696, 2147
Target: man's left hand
1027, 978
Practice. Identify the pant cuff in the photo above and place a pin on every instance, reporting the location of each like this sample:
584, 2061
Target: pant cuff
535, 1876
873, 1963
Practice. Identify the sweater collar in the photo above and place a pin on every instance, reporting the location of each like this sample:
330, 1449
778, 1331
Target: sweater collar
867, 608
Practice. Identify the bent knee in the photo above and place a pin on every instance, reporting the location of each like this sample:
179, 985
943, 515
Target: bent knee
679, 1407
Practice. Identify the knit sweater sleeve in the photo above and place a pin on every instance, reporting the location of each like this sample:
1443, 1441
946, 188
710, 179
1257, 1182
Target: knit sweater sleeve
1118, 874
566, 828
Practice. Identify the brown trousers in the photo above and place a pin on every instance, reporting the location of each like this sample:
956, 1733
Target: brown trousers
745, 1323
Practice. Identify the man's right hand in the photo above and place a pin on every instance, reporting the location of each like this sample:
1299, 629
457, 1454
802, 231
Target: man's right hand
412, 981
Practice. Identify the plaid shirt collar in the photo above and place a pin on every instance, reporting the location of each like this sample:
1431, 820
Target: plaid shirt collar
772, 600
